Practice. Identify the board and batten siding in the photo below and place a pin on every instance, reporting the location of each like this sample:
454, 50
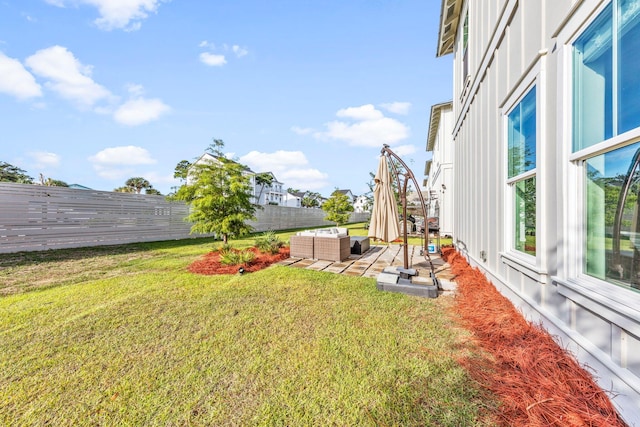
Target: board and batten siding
514, 45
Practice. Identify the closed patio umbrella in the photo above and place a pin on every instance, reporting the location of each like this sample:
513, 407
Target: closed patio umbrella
384, 216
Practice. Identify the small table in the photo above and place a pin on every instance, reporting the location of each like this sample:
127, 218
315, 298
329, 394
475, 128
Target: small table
359, 244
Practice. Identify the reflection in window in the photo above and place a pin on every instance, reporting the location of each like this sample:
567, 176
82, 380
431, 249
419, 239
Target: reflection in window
525, 216
521, 145
606, 77
613, 216
522, 135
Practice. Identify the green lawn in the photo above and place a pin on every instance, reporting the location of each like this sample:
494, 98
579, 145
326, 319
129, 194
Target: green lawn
124, 335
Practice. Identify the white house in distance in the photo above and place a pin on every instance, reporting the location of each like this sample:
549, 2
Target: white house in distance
363, 203
294, 199
347, 193
267, 194
439, 170
546, 128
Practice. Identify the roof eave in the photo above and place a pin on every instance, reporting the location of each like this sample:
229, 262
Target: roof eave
434, 123
448, 27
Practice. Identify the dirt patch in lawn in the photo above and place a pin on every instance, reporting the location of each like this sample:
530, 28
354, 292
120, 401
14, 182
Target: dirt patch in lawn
538, 382
210, 263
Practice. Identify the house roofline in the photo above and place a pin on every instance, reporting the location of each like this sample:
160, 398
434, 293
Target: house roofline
448, 27
434, 122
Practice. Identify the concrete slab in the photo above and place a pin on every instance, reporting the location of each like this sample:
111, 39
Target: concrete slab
404, 286
388, 278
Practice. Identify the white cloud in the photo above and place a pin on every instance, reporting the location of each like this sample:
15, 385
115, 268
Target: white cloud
16, 80
139, 111
117, 14
302, 131
135, 90
67, 76
44, 159
239, 51
404, 150
156, 178
364, 112
123, 155
289, 167
397, 107
305, 179
212, 59
368, 127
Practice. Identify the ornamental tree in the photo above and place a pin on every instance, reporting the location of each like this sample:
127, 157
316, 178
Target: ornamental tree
338, 208
220, 198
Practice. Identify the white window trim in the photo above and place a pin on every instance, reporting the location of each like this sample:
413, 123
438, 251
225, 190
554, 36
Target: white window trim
533, 78
573, 179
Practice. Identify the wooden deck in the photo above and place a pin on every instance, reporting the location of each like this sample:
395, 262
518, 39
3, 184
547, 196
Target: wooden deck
371, 263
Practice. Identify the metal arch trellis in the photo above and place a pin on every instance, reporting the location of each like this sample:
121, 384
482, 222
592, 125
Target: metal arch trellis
617, 224
402, 188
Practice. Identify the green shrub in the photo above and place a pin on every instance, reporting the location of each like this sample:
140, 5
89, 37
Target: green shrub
232, 257
269, 242
224, 248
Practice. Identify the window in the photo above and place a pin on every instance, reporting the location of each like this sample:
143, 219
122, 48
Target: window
465, 50
606, 72
521, 152
606, 77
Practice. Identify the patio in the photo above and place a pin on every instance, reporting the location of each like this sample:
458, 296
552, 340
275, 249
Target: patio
374, 261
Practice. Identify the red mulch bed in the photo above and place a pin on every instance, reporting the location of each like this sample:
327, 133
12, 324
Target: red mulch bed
537, 382
210, 263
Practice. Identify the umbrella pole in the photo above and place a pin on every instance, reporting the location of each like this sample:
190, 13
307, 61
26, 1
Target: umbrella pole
404, 220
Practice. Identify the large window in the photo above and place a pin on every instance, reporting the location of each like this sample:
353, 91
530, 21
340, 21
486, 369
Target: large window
613, 216
606, 70
521, 139
606, 75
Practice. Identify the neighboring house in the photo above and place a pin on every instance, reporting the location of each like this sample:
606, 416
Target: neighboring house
546, 128
363, 203
439, 170
268, 194
347, 193
294, 199
79, 187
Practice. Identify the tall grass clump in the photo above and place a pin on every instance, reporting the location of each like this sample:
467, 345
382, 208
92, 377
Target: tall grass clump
269, 242
237, 257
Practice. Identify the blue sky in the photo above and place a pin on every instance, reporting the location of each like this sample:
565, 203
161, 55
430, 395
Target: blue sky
97, 91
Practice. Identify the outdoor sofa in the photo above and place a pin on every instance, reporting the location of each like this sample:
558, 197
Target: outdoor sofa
330, 244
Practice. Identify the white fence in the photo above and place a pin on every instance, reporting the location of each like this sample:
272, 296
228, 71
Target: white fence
287, 218
34, 218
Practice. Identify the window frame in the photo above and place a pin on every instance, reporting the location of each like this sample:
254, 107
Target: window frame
532, 79
577, 160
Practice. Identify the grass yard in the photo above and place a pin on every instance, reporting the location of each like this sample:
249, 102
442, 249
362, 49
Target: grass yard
125, 335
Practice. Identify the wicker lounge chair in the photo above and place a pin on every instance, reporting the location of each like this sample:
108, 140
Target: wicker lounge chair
301, 246
332, 248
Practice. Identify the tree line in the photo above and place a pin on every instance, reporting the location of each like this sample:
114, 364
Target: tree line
12, 173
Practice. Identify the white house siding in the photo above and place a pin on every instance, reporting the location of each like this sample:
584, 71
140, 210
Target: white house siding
440, 185
513, 45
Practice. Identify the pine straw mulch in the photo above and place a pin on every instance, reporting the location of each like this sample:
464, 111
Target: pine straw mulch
537, 382
210, 263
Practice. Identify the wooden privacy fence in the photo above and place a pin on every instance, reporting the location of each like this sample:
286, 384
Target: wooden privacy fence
35, 218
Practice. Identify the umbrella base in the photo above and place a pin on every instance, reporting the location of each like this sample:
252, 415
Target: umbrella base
392, 280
